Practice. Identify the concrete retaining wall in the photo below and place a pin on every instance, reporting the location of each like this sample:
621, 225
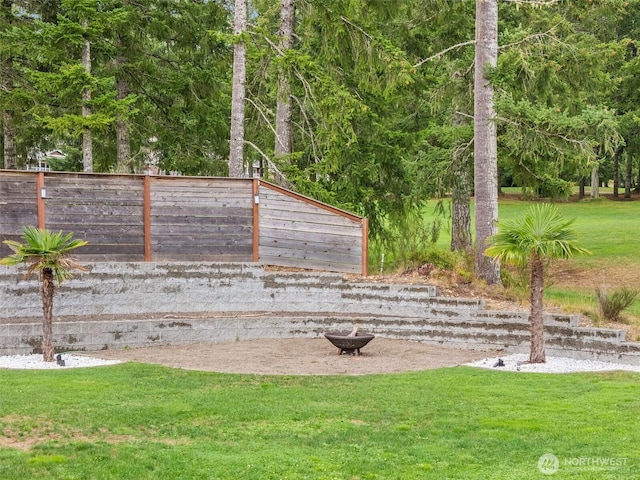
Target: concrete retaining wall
117, 305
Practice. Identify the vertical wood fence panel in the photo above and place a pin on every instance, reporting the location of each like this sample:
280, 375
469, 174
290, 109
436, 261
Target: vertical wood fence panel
144, 218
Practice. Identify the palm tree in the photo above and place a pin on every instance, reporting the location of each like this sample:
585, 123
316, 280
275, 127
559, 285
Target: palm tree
542, 234
45, 252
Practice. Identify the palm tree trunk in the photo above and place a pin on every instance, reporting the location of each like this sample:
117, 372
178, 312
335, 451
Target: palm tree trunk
537, 354
47, 315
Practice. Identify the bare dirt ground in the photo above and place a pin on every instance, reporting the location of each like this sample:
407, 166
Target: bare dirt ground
300, 356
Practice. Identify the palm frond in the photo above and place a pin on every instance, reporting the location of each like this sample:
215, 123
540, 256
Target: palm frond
541, 231
43, 249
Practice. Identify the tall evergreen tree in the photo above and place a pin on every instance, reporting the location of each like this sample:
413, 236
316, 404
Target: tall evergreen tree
236, 147
6, 87
485, 138
284, 126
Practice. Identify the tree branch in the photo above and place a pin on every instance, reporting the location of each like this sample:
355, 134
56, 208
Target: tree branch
443, 52
534, 3
262, 114
281, 177
529, 37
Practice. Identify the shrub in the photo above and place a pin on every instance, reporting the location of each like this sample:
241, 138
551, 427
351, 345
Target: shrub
611, 305
405, 243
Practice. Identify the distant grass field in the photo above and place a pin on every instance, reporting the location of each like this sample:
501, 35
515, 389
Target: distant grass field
609, 229
136, 421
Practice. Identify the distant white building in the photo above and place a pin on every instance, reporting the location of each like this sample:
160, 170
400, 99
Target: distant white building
41, 159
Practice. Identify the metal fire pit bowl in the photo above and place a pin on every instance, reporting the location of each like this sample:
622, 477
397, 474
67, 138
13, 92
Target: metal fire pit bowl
348, 344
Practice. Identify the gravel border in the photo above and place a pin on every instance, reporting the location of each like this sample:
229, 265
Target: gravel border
511, 363
517, 363
35, 362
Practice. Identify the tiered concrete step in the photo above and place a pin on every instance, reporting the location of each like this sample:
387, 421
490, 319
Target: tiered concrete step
137, 304
484, 334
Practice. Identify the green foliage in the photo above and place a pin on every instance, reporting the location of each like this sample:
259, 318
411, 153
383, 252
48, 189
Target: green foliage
409, 241
515, 279
541, 232
43, 249
611, 305
176, 77
376, 87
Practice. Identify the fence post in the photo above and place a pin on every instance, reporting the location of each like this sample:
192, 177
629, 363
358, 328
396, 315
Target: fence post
256, 220
365, 247
147, 218
40, 196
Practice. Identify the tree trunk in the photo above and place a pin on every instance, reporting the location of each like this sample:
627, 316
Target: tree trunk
87, 141
123, 142
47, 314
637, 189
627, 177
460, 201
236, 146
537, 353
595, 182
9, 141
616, 174
284, 129
6, 85
485, 143
581, 184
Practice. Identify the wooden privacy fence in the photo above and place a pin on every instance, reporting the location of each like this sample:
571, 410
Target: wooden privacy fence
158, 218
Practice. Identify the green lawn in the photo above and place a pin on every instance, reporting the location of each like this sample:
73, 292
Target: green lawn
136, 421
609, 229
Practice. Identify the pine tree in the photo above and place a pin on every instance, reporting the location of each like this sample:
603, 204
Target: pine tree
485, 138
236, 148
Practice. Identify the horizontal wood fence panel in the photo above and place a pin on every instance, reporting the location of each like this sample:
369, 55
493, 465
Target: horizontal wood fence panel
309, 263
277, 208
306, 253
209, 240
295, 226
327, 242
214, 230
307, 234
17, 207
137, 218
203, 218
96, 208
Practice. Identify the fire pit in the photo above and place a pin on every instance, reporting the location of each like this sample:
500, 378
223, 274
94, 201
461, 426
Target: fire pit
350, 344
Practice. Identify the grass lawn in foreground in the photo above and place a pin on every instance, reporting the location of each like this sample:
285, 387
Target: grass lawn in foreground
136, 421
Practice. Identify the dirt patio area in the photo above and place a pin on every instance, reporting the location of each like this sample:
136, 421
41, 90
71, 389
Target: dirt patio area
299, 356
